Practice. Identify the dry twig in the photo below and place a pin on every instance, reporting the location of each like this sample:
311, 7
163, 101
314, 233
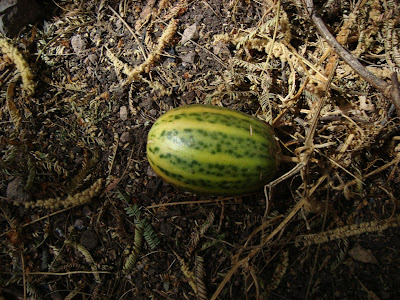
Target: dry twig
255, 251
388, 90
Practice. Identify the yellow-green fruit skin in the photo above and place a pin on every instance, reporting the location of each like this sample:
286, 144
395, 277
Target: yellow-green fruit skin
213, 150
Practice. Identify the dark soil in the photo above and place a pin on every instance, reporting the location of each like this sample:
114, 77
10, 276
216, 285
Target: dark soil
138, 237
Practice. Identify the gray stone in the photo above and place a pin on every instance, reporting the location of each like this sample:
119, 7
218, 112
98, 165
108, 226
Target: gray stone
79, 224
4, 4
93, 58
190, 33
15, 14
78, 44
15, 190
123, 113
150, 172
188, 58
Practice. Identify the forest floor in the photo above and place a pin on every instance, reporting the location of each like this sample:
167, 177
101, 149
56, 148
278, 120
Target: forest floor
82, 214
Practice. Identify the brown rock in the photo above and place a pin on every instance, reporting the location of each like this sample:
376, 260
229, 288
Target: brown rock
363, 255
89, 239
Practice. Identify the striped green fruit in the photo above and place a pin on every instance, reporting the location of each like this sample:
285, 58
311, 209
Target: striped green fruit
214, 150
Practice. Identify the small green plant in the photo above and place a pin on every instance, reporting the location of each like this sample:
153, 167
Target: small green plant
143, 229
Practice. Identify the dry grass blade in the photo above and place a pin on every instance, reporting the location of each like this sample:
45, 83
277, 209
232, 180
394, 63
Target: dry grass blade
74, 292
15, 115
22, 66
394, 161
280, 271
255, 251
88, 258
153, 57
200, 276
347, 231
191, 202
199, 233
190, 276
70, 201
130, 30
138, 243
113, 153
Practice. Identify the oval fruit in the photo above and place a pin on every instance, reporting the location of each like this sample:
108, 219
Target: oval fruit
214, 150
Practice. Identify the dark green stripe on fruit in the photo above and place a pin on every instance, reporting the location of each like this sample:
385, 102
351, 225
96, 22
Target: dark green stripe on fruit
215, 118
195, 167
216, 143
219, 185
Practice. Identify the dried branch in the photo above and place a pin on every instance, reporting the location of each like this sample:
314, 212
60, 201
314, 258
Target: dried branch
388, 90
256, 250
395, 92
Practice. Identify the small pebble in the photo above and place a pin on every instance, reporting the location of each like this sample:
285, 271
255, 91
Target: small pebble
150, 172
78, 43
86, 211
190, 33
15, 190
188, 58
92, 58
125, 137
123, 113
89, 239
79, 224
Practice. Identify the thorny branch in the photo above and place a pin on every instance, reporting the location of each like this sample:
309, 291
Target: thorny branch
388, 90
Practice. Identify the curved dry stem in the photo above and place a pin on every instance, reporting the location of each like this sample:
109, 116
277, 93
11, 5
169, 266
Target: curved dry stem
388, 90
255, 251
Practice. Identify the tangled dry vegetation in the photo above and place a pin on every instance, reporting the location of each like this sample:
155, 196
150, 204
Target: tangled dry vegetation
83, 216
